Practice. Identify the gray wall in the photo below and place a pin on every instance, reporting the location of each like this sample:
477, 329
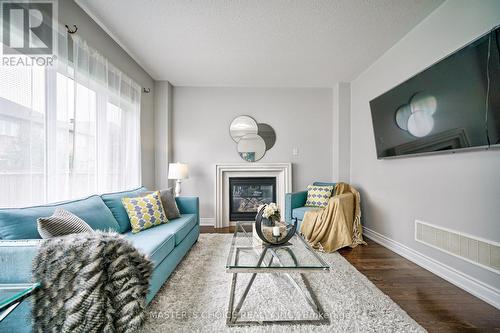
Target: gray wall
341, 143
459, 191
162, 132
301, 118
70, 13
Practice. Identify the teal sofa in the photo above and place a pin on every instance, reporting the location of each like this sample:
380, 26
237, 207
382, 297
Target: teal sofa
295, 204
165, 245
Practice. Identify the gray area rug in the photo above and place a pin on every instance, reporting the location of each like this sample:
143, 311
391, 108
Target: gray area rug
195, 297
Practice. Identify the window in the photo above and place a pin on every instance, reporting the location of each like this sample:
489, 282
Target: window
67, 132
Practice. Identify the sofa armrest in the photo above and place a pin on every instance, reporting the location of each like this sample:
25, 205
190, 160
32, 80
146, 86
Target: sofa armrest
189, 205
16, 258
292, 201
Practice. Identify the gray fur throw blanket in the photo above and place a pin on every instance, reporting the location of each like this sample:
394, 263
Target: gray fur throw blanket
90, 282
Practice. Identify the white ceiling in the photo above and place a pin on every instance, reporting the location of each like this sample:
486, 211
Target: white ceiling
257, 42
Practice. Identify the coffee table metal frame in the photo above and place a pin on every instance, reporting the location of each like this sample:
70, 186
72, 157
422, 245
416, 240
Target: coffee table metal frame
267, 267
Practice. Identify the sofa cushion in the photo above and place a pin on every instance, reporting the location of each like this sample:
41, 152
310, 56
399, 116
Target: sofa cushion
299, 212
145, 212
114, 203
181, 226
318, 196
61, 223
169, 204
21, 223
156, 242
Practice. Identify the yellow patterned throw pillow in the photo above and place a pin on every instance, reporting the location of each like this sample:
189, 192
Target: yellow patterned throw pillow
145, 212
318, 196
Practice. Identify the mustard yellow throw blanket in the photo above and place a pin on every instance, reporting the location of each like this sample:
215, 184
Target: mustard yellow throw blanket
338, 224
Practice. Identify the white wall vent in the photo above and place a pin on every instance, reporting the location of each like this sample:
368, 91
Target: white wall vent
481, 252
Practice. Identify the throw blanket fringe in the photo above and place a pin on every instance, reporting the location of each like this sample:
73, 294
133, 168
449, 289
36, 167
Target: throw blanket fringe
357, 232
90, 282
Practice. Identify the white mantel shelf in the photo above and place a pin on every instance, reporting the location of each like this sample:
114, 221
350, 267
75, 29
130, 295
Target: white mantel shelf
282, 172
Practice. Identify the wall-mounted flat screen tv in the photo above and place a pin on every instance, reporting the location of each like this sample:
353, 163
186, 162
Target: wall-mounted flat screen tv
452, 105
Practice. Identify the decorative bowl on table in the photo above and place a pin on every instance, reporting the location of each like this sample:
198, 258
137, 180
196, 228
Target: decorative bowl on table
270, 229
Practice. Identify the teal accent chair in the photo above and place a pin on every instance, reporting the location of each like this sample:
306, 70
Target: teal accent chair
165, 244
295, 204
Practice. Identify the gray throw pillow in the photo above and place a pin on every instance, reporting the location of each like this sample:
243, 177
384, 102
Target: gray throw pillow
168, 201
61, 223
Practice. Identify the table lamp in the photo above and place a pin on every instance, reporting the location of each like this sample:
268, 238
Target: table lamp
178, 171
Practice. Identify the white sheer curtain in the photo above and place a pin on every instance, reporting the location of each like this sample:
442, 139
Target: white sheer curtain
69, 131
22, 135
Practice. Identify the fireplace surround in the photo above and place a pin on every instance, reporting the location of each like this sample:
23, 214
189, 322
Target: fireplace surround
282, 172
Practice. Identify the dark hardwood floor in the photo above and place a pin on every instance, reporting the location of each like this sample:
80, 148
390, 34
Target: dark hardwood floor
434, 303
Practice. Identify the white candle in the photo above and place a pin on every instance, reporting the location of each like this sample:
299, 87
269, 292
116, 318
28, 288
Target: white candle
276, 231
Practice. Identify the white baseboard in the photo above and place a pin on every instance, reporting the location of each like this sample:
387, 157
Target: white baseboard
207, 221
477, 288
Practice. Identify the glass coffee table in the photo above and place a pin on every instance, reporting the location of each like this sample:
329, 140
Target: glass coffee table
11, 295
247, 255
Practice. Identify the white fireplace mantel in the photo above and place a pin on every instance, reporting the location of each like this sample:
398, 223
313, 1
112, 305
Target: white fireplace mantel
282, 172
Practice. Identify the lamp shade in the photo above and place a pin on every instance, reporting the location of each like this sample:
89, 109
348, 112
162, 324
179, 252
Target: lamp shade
178, 171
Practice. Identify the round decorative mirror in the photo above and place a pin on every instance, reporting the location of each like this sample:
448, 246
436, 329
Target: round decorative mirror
253, 138
241, 126
251, 147
266, 132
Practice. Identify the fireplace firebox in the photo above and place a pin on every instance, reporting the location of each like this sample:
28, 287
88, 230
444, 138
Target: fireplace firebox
247, 194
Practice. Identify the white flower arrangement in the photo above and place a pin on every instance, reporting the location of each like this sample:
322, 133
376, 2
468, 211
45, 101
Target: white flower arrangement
271, 211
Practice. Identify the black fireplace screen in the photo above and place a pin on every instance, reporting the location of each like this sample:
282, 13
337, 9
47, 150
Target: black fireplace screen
247, 194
